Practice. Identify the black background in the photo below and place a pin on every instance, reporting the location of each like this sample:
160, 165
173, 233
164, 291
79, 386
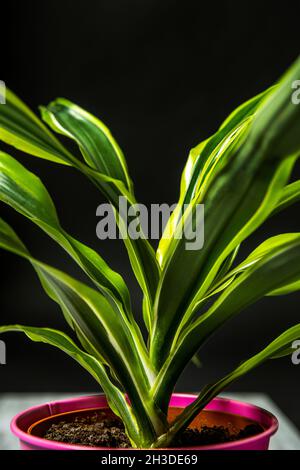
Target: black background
162, 75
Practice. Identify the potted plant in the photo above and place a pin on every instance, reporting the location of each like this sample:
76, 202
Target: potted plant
241, 174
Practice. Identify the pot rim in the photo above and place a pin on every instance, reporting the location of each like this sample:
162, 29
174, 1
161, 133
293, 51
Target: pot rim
56, 445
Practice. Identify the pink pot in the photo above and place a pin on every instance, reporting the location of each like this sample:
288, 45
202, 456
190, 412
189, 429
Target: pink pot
24, 420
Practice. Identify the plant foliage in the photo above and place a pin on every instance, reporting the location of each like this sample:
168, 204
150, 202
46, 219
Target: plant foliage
242, 176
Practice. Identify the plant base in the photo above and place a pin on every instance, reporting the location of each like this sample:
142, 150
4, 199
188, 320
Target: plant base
226, 417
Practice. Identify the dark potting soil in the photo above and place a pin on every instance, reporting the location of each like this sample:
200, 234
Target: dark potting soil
98, 430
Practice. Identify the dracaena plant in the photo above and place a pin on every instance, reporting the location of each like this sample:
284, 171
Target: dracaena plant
241, 174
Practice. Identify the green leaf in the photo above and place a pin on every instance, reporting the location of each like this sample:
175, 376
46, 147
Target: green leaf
265, 249
243, 195
20, 128
79, 302
226, 265
106, 333
273, 265
204, 158
116, 399
290, 195
25, 192
143, 263
98, 147
276, 263
281, 346
287, 289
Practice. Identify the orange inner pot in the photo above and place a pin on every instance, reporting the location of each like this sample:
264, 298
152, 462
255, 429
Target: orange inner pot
208, 418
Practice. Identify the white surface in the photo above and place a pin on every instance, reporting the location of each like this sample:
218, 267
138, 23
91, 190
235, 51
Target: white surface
287, 437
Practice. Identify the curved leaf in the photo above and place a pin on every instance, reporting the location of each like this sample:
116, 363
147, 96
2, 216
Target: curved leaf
202, 159
267, 248
290, 195
241, 198
22, 129
226, 265
25, 192
272, 269
105, 332
281, 346
116, 399
102, 153
99, 148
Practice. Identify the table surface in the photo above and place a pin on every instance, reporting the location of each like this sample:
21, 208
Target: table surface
287, 437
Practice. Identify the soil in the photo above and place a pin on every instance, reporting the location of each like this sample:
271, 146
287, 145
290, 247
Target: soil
98, 430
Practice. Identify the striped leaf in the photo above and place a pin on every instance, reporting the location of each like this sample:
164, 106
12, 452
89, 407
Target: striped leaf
280, 347
106, 334
25, 192
243, 195
274, 265
241, 174
20, 128
203, 163
99, 149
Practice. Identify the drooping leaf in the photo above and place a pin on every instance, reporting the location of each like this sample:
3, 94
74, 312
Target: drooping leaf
204, 158
25, 192
116, 399
22, 129
103, 154
280, 347
100, 150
